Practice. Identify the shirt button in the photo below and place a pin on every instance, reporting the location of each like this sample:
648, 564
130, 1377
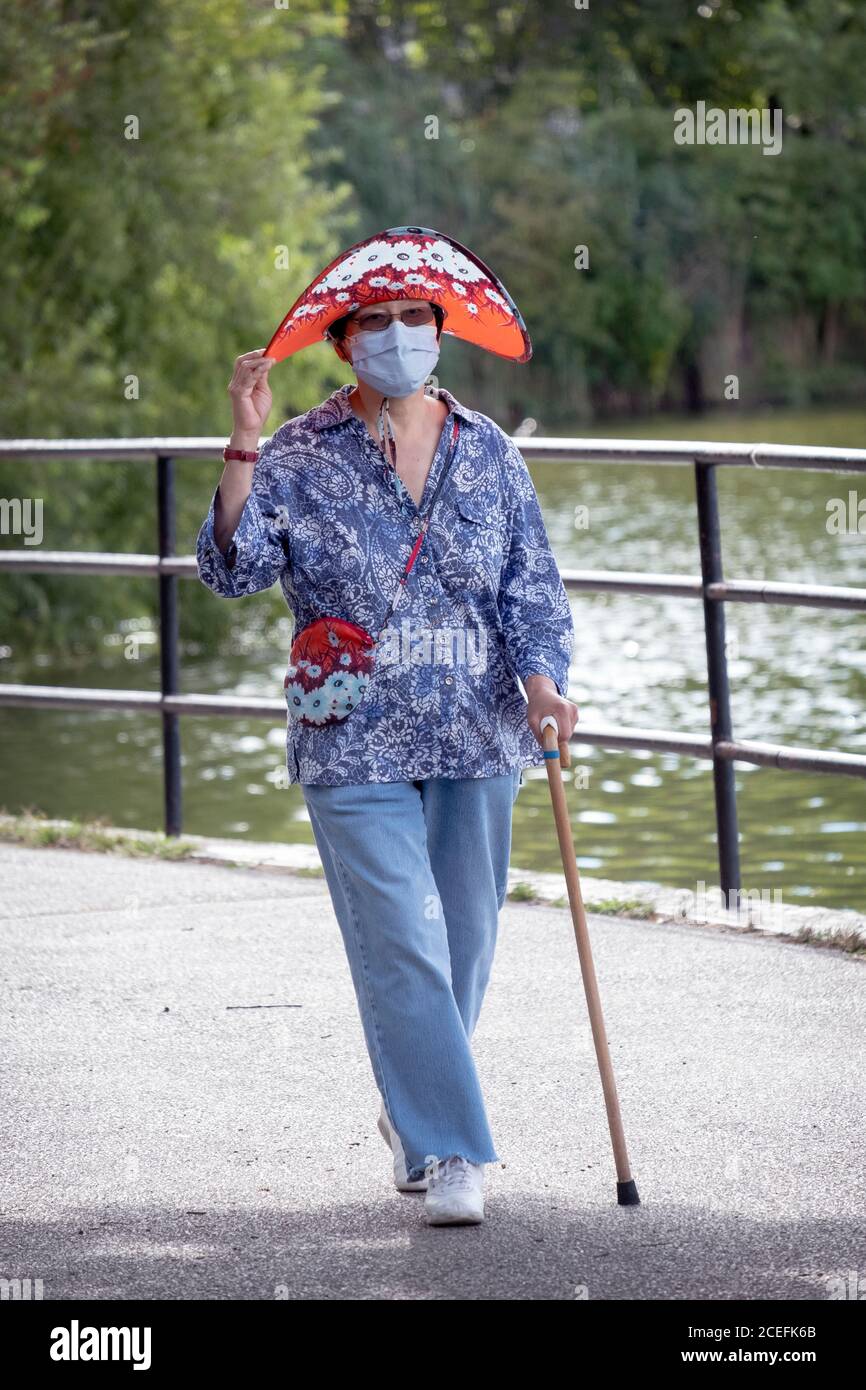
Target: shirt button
449, 680
424, 559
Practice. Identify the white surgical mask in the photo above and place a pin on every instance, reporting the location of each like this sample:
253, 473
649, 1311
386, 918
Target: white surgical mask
396, 361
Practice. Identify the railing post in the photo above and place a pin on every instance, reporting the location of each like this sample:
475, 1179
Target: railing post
724, 783
168, 646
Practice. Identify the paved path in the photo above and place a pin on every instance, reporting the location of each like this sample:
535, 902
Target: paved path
161, 1142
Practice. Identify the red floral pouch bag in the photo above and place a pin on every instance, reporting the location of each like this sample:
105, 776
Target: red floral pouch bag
329, 668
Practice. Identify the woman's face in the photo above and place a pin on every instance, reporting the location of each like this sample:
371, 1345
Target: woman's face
373, 316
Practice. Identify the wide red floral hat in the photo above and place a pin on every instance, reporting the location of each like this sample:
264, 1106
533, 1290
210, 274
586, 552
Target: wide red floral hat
408, 263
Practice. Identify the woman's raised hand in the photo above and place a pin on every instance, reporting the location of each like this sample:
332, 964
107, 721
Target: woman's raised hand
251, 406
251, 394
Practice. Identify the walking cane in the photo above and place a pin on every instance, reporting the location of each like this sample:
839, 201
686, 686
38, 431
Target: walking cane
555, 759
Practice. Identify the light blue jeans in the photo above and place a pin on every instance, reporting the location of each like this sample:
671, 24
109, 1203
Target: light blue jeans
417, 873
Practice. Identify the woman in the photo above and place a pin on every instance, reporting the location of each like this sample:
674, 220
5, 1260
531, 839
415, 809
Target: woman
410, 789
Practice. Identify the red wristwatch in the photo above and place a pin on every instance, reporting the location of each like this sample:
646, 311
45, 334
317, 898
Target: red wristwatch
242, 455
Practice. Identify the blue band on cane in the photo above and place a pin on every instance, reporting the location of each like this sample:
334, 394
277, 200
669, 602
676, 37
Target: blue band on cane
554, 753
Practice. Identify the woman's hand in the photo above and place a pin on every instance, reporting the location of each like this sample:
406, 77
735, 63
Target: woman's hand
544, 698
251, 406
251, 394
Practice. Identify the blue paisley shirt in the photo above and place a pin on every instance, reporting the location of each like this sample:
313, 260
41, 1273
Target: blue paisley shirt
484, 604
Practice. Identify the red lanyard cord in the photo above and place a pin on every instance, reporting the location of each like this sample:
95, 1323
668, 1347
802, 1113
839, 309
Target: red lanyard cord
455, 432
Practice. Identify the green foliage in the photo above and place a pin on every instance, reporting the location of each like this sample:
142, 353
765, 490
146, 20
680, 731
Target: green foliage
155, 257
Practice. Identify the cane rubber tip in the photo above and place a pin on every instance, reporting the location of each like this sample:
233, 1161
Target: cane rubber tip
626, 1194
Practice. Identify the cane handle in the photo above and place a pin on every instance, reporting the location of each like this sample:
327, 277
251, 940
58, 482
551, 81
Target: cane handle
552, 748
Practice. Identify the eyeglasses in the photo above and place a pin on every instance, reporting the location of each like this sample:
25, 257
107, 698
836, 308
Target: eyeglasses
377, 320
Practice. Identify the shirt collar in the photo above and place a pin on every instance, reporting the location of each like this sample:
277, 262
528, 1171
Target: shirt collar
336, 408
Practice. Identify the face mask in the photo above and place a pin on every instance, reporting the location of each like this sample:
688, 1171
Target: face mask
397, 361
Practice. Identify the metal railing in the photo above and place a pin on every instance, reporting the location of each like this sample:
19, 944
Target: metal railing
719, 746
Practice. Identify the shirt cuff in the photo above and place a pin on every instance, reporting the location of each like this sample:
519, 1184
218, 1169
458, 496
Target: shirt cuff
550, 664
227, 575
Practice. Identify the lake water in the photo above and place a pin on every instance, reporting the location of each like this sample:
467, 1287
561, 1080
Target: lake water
798, 676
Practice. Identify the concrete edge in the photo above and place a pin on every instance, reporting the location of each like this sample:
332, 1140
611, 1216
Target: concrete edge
648, 901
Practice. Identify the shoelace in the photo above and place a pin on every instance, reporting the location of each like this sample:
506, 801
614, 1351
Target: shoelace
451, 1173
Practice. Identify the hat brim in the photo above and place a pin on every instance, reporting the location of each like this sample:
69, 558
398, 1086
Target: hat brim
408, 263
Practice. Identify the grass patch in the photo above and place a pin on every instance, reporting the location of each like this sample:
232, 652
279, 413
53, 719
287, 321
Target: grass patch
94, 836
607, 907
310, 873
524, 893
851, 941
622, 907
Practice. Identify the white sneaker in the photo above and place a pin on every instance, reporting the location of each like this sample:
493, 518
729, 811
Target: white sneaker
392, 1139
455, 1191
